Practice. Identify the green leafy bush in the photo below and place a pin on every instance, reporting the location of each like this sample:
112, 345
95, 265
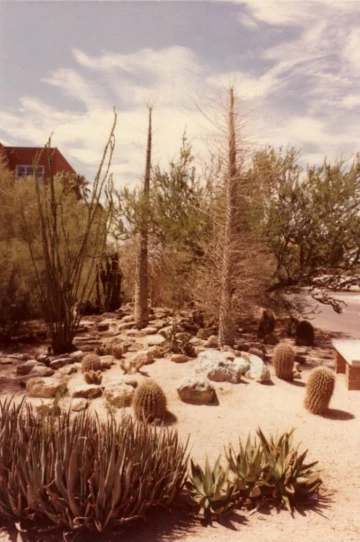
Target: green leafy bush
83, 474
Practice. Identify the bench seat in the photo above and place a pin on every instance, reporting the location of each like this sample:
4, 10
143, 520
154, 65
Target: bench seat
348, 361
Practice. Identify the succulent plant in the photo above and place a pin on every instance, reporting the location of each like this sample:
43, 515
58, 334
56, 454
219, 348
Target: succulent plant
319, 389
178, 343
210, 489
247, 465
93, 377
203, 333
283, 361
267, 323
149, 402
286, 479
91, 362
84, 475
117, 350
304, 334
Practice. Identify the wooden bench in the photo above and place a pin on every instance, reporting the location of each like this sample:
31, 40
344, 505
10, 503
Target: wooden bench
348, 361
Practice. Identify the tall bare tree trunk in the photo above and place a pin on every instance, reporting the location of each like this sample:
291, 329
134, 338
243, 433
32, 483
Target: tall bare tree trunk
226, 319
141, 310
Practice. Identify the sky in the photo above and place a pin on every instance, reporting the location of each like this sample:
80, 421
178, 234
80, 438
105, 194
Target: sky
64, 66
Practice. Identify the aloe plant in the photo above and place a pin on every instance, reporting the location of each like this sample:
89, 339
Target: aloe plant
79, 473
211, 491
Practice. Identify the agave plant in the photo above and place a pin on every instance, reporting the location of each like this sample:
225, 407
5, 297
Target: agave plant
247, 465
211, 491
80, 473
286, 476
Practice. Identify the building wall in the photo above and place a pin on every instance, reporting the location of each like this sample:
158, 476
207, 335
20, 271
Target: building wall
25, 156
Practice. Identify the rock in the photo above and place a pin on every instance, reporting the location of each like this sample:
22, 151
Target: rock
297, 375
297, 367
25, 368
179, 358
150, 330
136, 333
46, 409
155, 340
44, 359
125, 325
197, 390
45, 387
158, 324
256, 352
68, 370
130, 382
128, 318
119, 394
58, 363
102, 326
258, 370
78, 405
6, 361
106, 362
212, 342
87, 391
300, 358
215, 366
76, 356
143, 356
156, 352
41, 370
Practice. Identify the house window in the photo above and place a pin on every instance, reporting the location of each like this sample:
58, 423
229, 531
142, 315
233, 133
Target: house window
28, 171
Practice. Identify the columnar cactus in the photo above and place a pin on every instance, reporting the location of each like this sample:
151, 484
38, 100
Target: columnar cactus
283, 361
149, 402
91, 362
319, 390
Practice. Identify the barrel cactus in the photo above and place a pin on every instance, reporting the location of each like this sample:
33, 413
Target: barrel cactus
117, 350
149, 402
93, 377
319, 390
91, 362
304, 334
283, 361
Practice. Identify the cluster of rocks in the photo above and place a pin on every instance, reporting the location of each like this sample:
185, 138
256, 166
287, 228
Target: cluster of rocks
46, 376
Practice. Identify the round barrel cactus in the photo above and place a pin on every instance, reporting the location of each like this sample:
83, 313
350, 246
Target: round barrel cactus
91, 362
149, 402
283, 361
319, 390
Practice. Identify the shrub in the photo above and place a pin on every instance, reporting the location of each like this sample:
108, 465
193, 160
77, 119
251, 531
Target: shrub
319, 390
304, 335
267, 323
84, 475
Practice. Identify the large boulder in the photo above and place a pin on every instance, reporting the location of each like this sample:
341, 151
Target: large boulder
196, 389
258, 370
216, 366
45, 387
119, 394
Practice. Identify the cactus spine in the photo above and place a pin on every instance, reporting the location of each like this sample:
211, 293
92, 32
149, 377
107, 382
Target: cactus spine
283, 361
149, 402
91, 362
319, 390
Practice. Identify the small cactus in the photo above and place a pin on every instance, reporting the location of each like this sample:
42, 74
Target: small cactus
117, 350
149, 402
93, 377
91, 362
319, 390
283, 361
304, 335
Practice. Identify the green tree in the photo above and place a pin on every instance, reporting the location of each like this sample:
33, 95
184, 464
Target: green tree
308, 220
